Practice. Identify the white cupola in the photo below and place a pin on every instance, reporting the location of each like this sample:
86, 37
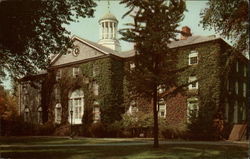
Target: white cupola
108, 32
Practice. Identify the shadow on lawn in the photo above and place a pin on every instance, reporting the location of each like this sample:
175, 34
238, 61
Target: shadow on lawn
132, 152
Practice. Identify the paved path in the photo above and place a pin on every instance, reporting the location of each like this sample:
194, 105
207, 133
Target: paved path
244, 143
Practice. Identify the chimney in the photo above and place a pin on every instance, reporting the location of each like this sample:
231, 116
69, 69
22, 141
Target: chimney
186, 32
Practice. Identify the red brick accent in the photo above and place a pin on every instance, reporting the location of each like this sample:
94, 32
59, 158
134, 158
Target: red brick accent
176, 111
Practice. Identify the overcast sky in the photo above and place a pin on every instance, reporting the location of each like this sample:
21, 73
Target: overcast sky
88, 28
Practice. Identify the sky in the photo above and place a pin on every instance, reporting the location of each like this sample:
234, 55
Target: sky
88, 28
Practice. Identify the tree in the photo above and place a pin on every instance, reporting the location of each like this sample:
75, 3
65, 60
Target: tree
8, 105
230, 19
155, 25
32, 30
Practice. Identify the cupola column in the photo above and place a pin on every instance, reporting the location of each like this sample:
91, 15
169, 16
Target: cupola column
108, 24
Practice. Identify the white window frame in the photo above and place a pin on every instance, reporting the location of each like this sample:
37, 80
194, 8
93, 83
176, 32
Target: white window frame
57, 94
190, 86
40, 115
26, 114
132, 66
58, 113
245, 71
226, 110
244, 113
76, 103
191, 103
236, 87
96, 113
237, 66
76, 71
191, 55
96, 70
58, 75
236, 109
132, 108
95, 88
244, 89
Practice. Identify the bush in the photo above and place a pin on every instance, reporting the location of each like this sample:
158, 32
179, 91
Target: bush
97, 130
174, 131
45, 129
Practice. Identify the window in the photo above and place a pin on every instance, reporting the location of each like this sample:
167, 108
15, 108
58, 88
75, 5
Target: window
97, 114
236, 87
39, 115
76, 106
58, 113
237, 66
57, 94
193, 85
236, 112
76, 51
26, 114
228, 85
95, 70
244, 89
161, 89
25, 89
244, 111
58, 75
132, 66
192, 108
95, 89
132, 108
162, 108
226, 110
76, 71
193, 58
245, 71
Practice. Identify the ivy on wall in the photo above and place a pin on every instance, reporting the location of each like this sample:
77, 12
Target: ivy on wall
106, 72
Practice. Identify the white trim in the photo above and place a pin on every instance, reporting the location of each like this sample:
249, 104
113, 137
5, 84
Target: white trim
75, 97
236, 107
236, 87
191, 104
58, 110
244, 89
191, 79
78, 38
192, 54
54, 59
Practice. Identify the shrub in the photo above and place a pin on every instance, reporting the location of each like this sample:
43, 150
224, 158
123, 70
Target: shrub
97, 130
177, 131
45, 129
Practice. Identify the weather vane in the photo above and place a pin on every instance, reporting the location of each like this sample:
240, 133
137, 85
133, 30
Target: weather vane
108, 6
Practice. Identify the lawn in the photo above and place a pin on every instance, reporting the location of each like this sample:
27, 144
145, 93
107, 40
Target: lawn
122, 151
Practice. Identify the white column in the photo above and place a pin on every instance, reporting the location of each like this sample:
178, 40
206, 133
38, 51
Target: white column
115, 26
109, 26
105, 30
100, 31
113, 30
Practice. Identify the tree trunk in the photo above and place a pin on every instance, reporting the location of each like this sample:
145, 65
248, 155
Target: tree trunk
155, 111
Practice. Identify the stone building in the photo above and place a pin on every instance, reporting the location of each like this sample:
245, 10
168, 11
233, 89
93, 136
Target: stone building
86, 85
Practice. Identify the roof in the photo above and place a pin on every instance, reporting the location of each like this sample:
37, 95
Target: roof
189, 41
192, 40
126, 54
108, 16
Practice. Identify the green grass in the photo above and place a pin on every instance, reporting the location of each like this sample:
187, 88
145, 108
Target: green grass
64, 140
130, 152
166, 151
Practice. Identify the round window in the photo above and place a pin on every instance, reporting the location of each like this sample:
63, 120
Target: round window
76, 51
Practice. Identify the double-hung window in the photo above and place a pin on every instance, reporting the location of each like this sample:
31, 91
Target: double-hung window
193, 58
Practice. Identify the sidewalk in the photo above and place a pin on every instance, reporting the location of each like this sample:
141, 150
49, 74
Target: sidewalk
131, 143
